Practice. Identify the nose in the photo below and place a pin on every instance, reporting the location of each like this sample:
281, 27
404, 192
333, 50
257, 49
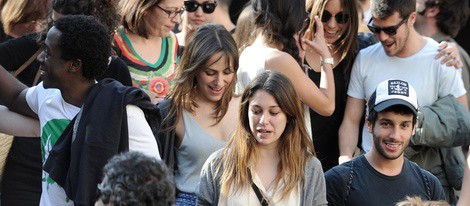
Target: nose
264, 119
176, 19
199, 11
219, 79
383, 36
395, 133
332, 22
40, 57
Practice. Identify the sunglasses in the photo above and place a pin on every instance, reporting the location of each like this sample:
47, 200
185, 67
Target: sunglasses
391, 30
340, 18
207, 7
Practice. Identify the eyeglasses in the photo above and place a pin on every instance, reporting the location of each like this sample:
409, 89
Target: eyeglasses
340, 18
391, 30
207, 7
171, 14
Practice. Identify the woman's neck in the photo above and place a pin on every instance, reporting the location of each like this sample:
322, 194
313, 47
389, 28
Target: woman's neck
263, 40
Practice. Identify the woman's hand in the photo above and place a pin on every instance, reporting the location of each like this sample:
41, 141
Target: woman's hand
451, 53
318, 44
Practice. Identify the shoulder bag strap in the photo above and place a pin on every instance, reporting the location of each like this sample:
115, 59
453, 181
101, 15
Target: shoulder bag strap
258, 193
27, 63
349, 183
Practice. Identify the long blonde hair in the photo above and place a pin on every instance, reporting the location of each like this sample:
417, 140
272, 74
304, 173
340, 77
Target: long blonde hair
294, 145
208, 40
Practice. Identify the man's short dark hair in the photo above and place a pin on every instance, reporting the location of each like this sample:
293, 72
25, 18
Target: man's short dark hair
134, 179
386, 8
398, 109
452, 16
85, 39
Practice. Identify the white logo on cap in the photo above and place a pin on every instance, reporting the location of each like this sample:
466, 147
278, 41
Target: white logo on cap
398, 87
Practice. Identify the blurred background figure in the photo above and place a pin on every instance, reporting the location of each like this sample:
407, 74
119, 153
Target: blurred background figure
132, 178
197, 13
20, 17
244, 33
222, 15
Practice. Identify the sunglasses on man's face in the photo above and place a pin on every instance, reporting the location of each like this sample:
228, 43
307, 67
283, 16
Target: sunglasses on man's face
391, 30
340, 18
207, 7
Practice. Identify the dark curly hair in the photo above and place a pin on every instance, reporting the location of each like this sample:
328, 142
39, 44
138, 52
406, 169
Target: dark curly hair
105, 11
280, 20
85, 39
135, 179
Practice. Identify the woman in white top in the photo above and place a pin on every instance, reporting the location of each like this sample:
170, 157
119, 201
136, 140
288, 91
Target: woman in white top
277, 24
270, 160
201, 108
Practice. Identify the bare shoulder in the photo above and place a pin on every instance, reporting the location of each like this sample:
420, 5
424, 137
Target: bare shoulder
280, 58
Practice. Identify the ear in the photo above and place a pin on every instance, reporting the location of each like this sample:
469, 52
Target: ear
75, 65
412, 19
414, 127
369, 125
432, 12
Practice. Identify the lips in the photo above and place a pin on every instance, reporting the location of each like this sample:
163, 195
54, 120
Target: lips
216, 90
198, 21
388, 46
392, 145
263, 133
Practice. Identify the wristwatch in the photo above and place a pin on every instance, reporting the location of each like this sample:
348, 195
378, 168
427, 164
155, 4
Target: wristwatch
328, 60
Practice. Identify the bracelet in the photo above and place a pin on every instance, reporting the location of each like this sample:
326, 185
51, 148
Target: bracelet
328, 60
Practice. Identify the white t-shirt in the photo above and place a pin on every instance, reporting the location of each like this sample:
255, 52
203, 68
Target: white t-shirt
54, 116
429, 78
252, 62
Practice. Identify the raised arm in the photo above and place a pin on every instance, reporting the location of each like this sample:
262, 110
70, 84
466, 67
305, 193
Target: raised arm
18, 125
321, 100
12, 94
349, 129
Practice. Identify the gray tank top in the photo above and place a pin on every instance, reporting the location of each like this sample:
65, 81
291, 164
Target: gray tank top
196, 147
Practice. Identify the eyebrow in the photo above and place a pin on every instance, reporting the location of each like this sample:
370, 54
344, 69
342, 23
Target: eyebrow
275, 106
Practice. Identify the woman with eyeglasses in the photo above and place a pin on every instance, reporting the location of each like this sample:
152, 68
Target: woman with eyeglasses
340, 23
147, 45
277, 24
270, 160
197, 13
200, 111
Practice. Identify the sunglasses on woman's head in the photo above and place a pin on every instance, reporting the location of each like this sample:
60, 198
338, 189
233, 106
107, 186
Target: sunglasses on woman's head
340, 18
207, 7
391, 30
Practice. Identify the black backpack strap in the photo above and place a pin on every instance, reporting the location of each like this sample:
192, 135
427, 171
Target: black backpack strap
426, 184
425, 180
349, 183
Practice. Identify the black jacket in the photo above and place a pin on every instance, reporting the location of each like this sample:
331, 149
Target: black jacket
101, 132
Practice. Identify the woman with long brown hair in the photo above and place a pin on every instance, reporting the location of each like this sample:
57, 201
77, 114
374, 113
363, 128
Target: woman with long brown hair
200, 110
270, 160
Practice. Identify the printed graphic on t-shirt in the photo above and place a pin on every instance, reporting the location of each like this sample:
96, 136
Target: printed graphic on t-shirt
50, 134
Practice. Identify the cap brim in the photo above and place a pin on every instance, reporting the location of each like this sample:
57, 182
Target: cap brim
391, 102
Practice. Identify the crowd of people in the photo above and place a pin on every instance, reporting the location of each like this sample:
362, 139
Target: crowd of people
168, 102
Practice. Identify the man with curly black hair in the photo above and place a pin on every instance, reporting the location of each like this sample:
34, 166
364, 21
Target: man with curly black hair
134, 179
83, 123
